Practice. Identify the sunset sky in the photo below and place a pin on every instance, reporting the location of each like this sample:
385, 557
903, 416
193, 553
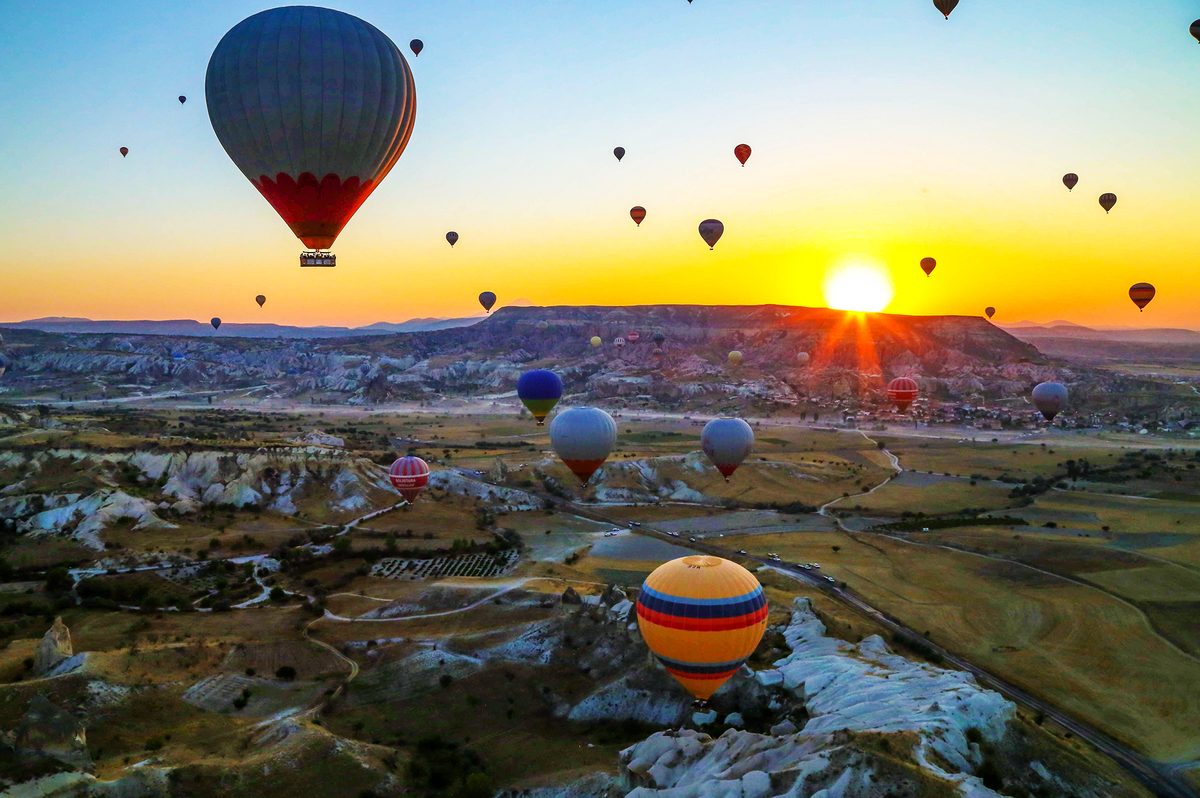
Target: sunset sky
881, 134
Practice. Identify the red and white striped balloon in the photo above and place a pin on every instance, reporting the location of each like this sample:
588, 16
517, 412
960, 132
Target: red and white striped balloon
902, 391
408, 476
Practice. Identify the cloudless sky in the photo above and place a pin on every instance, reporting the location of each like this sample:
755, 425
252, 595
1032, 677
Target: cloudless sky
881, 133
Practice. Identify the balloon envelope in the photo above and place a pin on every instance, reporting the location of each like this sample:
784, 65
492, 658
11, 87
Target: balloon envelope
1070, 179
945, 6
735, 358
124, 151
583, 437
216, 323
1195, 30
315, 107
620, 153
742, 153
539, 390
902, 391
620, 342
802, 357
1050, 398
659, 337
702, 617
634, 337
637, 213
1107, 201
1141, 294
408, 475
928, 265
417, 46
990, 312
452, 237
261, 300
488, 300
727, 442
182, 99
596, 342
711, 231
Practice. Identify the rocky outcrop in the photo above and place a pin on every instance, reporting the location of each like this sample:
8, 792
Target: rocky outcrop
54, 648
48, 731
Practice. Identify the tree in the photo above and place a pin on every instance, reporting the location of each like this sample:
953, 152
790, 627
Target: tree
285, 672
277, 594
58, 579
836, 549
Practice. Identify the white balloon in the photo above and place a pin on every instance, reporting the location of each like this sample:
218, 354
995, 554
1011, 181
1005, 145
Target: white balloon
1050, 398
583, 437
727, 442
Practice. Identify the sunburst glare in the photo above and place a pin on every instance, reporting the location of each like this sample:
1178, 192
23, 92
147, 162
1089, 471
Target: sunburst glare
856, 285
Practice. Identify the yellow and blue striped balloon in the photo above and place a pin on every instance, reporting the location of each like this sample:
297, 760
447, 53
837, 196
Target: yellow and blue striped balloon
702, 617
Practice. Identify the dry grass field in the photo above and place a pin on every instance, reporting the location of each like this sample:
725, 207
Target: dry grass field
1086, 651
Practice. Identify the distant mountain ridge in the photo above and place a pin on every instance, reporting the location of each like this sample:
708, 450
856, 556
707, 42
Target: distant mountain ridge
200, 329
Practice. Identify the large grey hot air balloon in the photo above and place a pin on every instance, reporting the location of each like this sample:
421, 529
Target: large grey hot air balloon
1050, 398
711, 231
315, 107
583, 437
727, 442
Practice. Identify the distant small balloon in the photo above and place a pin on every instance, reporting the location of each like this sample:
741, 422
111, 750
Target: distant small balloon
596, 342
1070, 179
1107, 201
802, 358
620, 343
620, 151
261, 300
182, 99
124, 151
902, 392
742, 153
542, 326
364, 368
216, 323
638, 213
452, 237
990, 312
711, 231
735, 358
659, 337
634, 337
1141, 294
945, 6
1195, 30
417, 46
487, 299
928, 265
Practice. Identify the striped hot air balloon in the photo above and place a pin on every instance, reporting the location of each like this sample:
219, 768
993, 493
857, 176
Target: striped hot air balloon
945, 6
539, 390
583, 437
638, 214
1070, 180
711, 231
620, 342
702, 617
315, 107
1141, 294
1107, 201
902, 392
408, 476
634, 337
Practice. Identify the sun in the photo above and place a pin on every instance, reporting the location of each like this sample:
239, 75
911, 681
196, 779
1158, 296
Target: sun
858, 286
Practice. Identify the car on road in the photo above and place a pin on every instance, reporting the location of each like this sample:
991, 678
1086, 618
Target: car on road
829, 579
634, 524
806, 566
609, 534
815, 564
691, 540
673, 534
741, 551
615, 531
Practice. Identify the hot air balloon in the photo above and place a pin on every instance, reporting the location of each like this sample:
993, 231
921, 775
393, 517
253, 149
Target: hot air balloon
582, 437
1107, 201
711, 231
408, 476
990, 312
620, 153
216, 323
659, 337
487, 299
902, 391
364, 368
1195, 30
542, 326
620, 342
702, 617
802, 358
633, 337
735, 358
416, 45
596, 342
261, 300
315, 107
945, 6
727, 442
1141, 294
539, 390
182, 99
1050, 398
928, 265
742, 153
657, 351
637, 213
124, 151
1070, 179
452, 237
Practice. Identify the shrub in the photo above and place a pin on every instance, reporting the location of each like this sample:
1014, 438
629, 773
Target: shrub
285, 672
